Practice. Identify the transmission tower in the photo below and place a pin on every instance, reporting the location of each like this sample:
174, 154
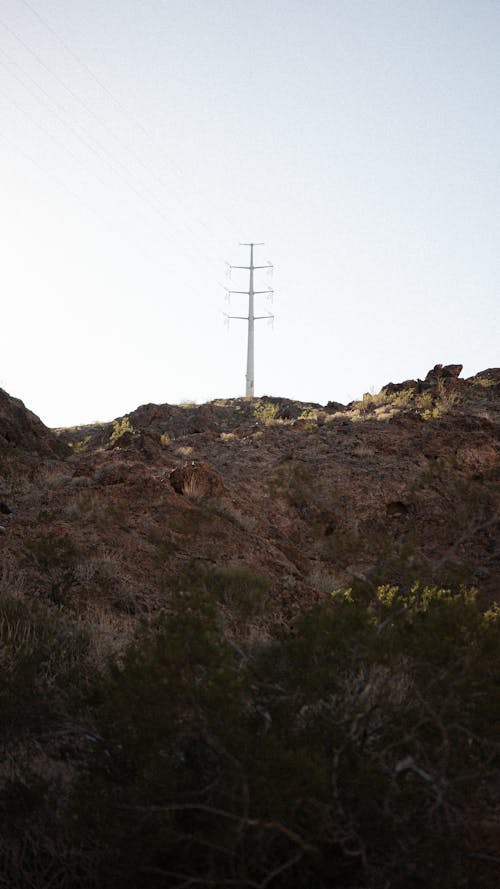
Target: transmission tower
251, 317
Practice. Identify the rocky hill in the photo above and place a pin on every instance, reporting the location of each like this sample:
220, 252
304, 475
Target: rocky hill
398, 486
254, 643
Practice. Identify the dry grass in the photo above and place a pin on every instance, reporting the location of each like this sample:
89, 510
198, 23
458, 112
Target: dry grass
193, 488
13, 581
52, 477
363, 452
184, 451
109, 632
230, 511
325, 581
86, 506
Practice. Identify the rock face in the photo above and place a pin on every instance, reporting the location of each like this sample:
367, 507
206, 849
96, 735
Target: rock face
399, 487
448, 372
23, 434
439, 375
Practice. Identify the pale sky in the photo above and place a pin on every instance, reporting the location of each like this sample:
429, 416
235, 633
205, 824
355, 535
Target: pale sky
142, 140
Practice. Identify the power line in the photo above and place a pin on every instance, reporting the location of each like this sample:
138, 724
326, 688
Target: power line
47, 133
108, 129
133, 118
83, 64
97, 148
59, 182
75, 157
92, 144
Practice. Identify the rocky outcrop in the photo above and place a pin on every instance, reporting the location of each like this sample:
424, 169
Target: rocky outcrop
448, 372
22, 433
438, 375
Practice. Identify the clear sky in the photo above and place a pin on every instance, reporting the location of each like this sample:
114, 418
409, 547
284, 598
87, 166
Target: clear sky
141, 140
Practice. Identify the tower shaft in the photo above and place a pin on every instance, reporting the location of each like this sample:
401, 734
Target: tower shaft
251, 328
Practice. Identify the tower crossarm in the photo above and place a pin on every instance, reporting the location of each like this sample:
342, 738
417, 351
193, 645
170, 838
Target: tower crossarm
246, 292
254, 267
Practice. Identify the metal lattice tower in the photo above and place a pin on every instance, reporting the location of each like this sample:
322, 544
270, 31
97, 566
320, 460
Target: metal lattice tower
251, 317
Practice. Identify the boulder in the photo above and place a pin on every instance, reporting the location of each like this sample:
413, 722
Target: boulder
448, 372
197, 479
393, 388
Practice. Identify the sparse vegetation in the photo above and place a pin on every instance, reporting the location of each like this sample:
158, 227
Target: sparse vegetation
178, 714
362, 745
239, 588
120, 428
484, 382
184, 451
265, 411
80, 446
193, 488
430, 404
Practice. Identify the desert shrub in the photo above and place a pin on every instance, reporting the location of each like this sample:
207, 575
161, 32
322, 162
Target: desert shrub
265, 412
435, 404
369, 402
85, 507
358, 750
51, 550
294, 482
484, 382
55, 556
41, 656
429, 405
239, 588
45, 666
194, 488
309, 413
165, 548
80, 446
226, 509
184, 451
120, 427
36, 849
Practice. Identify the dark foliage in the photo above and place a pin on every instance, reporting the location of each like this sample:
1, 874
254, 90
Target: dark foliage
360, 749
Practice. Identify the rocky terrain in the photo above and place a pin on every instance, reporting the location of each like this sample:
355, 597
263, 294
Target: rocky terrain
399, 486
254, 643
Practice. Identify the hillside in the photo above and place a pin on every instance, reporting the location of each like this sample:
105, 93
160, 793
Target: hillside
401, 485
271, 623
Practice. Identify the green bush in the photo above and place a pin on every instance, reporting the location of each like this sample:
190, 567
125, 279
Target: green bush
265, 412
120, 427
358, 750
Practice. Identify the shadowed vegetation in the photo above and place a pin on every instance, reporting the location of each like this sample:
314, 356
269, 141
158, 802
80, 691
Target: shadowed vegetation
358, 749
